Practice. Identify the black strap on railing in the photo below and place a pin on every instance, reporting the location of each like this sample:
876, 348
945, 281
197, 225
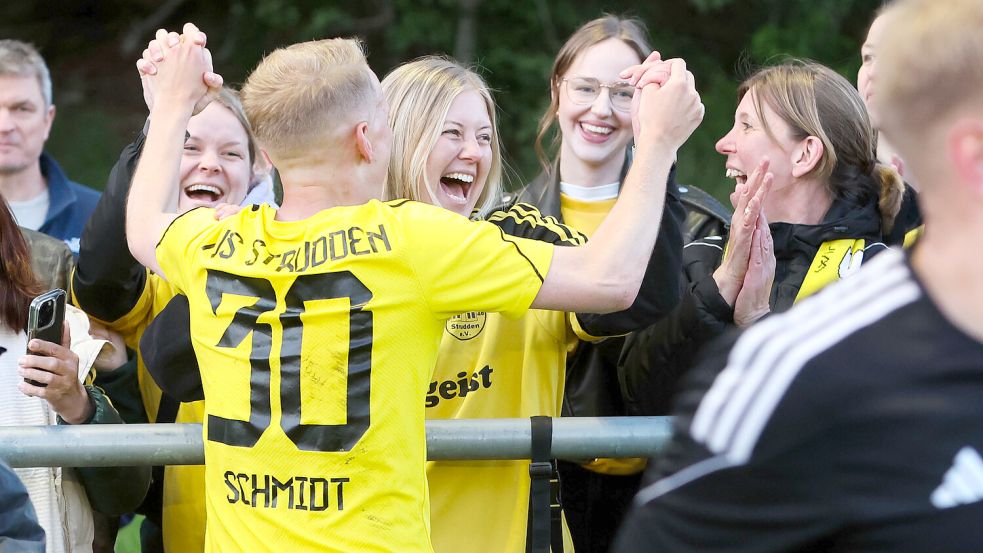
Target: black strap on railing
544, 527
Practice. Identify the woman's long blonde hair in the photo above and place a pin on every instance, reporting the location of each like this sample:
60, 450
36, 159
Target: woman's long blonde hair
420, 94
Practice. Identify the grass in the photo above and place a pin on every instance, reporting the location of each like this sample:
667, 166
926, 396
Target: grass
128, 539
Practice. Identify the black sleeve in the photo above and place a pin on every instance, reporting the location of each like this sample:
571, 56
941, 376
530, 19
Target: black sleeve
659, 292
112, 490
108, 281
655, 358
693, 499
169, 355
526, 221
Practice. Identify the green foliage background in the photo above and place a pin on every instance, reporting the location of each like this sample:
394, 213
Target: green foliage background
91, 46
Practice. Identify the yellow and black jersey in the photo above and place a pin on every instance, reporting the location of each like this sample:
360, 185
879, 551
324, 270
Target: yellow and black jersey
183, 508
490, 366
316, 340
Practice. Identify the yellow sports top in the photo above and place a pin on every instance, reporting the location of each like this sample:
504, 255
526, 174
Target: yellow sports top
316, 340
490, 366
183, 509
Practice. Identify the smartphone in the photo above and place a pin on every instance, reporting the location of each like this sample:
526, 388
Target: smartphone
45, 319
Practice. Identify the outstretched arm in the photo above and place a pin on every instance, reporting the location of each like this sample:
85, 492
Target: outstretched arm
605, 274
107, 281
181, 84
661, 286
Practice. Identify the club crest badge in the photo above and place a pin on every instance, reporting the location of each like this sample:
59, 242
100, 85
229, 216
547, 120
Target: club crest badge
466, 325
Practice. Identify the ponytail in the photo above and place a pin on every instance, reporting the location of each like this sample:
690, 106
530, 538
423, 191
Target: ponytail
891, 194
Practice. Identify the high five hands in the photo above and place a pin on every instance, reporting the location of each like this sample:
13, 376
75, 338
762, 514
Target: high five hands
666, 106
179, 66
746, 275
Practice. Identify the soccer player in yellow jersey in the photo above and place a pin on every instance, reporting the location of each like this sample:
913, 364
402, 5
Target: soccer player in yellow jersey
446, 152
316, 325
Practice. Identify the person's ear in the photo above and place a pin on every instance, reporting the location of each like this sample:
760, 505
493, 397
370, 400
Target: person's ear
49, 119
806, 156
964, 149
362, 142
262, 166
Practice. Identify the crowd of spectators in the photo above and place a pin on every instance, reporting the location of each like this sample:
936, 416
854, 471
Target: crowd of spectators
312, 266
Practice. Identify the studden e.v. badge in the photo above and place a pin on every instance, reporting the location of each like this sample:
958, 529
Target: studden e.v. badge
466, 325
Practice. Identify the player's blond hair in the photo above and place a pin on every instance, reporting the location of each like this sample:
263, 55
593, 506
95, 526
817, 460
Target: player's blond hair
929, 64
420, 94
296, 96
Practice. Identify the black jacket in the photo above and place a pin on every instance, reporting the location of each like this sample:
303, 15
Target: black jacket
654, 359
592, 388
19, 528
855, 426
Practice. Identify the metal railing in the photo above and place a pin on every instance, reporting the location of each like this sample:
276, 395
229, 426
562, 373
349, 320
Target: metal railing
181, 444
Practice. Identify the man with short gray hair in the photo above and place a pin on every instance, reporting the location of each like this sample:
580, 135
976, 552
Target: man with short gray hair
41, 197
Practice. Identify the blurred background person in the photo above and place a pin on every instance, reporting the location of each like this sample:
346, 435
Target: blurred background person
19, 528
40, 196
908, 223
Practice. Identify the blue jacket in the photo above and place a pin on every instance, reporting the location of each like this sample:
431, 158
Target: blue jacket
19, 528
70, 207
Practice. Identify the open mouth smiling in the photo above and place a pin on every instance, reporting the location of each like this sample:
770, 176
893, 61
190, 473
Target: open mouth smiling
457, 185
206, 193
737, 175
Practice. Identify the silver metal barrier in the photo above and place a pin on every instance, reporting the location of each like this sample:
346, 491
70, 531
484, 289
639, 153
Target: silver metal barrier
181, 444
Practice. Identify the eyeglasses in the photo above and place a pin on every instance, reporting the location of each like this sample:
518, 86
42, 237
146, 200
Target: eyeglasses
584, 90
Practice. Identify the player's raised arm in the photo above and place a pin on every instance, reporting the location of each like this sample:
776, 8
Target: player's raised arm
180, 85
605, 274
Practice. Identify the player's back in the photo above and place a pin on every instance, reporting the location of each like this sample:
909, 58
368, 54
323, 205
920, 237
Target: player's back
316, 340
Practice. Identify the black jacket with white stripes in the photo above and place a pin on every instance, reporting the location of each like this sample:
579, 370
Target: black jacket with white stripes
654, 359
851, 423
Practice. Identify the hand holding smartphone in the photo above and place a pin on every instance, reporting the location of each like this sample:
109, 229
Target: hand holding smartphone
45, 321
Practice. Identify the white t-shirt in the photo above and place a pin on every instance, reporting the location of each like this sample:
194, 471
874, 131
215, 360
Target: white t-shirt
30, 214
590, 193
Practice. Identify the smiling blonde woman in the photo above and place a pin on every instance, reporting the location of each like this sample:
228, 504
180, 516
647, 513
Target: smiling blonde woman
446, 152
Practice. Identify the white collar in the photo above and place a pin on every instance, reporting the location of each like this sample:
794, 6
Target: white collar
591, 193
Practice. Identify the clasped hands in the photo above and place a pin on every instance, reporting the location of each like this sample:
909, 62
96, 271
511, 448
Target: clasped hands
747, 272
666, 104
178, 68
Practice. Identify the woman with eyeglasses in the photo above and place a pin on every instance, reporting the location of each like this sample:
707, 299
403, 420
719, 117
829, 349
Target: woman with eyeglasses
590, 106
